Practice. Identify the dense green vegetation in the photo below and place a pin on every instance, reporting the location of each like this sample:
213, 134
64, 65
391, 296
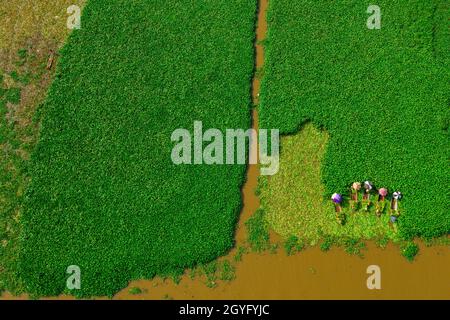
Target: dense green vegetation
213, 271
293, 198
382, 96
104, 193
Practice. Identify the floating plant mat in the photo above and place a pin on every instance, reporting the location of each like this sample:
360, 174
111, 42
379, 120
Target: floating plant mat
105, 195
381, 95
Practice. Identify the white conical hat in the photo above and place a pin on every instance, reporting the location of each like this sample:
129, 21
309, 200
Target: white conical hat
397, 195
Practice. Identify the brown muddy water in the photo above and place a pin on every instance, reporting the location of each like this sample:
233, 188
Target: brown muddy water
310, 274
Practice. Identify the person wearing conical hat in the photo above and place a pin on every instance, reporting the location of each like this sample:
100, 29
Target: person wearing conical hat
396, 196
366, 196
381, 203
356, 186
337, 200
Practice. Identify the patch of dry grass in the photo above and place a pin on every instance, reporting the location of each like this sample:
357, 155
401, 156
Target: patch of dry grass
28, 31
23, 19
293, 199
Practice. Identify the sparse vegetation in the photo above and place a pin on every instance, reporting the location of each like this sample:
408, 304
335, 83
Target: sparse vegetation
227, 271
258, 232
135, 290
382, 242
410, 251
354, 246
240, 251
293, 245
20, 91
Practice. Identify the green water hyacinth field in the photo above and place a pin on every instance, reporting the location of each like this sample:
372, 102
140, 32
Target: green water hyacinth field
105, 195
382, 96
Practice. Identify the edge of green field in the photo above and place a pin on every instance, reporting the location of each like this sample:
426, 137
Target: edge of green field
105, 195
382, 98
